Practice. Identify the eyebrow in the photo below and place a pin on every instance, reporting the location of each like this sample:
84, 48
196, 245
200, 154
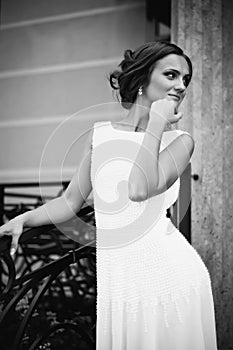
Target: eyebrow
177, 71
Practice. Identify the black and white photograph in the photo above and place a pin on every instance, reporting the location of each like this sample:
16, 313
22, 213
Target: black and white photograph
116, 187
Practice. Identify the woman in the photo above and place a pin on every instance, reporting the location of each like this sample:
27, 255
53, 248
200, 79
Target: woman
153, 289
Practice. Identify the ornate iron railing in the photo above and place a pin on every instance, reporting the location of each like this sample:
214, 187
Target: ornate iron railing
48, 292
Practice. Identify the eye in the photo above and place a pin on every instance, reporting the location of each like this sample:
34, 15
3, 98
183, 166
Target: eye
170, 75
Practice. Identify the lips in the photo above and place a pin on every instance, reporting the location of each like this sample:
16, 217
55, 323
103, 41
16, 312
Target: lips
174, 97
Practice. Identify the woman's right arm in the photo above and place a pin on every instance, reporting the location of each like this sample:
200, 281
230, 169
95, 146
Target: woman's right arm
59, 209
66, 206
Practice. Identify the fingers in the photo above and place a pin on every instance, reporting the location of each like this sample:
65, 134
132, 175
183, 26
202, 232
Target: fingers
175, 118
164, 102
163, 107
6, 229
178, 116
14, 244
3, 230
14, 229
15, 238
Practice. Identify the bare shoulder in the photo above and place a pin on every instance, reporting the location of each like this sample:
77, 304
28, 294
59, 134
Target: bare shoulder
187, 141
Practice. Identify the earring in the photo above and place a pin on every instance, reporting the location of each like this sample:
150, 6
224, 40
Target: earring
140, 91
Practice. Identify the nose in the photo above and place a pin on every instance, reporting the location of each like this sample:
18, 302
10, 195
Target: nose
180, 85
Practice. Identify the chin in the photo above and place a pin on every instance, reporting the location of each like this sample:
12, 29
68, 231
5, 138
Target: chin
178, 105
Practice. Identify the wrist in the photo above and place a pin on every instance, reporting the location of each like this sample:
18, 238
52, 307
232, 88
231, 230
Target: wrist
157, 123
24, 218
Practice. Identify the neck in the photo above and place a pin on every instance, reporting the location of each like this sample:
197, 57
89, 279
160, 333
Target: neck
138, 117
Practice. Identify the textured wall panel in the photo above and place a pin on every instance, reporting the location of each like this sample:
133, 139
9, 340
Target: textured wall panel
73, 40
15, 11
204, 29
51, 94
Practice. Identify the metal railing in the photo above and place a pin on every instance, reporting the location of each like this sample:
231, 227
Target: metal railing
48, 289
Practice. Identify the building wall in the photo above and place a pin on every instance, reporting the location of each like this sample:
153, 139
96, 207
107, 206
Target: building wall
54, 61
204, 29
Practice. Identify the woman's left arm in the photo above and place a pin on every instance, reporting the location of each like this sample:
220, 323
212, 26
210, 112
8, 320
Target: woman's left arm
153, 172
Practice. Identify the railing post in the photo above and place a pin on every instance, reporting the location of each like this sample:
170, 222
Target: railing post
1, 204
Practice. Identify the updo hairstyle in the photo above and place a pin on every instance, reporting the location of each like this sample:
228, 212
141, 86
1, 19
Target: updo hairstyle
137, 66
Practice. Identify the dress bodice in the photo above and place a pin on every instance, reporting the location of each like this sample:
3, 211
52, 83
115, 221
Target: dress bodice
113, 154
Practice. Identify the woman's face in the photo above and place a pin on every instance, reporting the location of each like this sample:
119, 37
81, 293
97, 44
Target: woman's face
169, 79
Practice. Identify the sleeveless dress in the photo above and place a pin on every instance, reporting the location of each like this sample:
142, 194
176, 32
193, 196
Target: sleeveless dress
153, 289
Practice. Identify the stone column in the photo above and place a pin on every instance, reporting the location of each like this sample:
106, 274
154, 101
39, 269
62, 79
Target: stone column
204, 29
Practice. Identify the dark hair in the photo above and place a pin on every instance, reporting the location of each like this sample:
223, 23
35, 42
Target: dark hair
137, 66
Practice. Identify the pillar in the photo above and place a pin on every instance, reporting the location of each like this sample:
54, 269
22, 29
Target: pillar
203, 28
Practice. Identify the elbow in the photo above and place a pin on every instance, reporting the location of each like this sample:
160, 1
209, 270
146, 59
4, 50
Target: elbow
137, 198
137, 195
70, 203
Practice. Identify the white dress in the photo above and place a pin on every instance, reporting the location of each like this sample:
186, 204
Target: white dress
153, 289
